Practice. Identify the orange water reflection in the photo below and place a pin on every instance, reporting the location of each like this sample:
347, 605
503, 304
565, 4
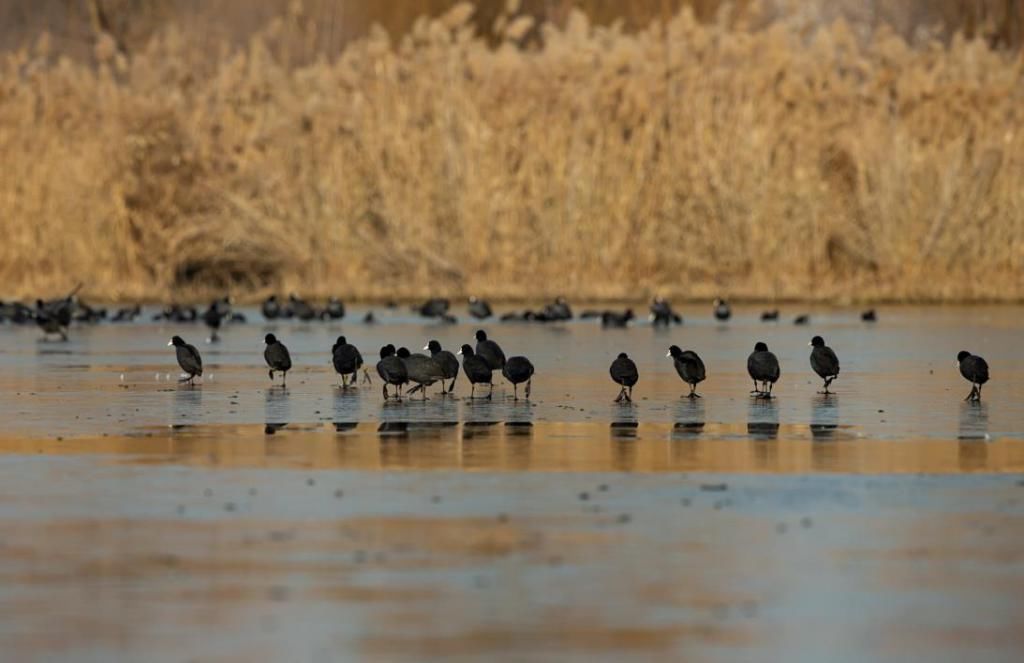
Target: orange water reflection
762, 447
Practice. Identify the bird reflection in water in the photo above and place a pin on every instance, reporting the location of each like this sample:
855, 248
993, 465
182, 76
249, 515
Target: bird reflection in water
188, 407
623, 431
824, 417
824, 424
481, 418
973, 436
763, 420
689, 418
345, 409
276, 409
520, 420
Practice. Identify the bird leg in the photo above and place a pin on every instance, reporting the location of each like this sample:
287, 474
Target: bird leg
529, 384
693, 392
491, 392
366, 377
472, 390
515, 391
979, 393
974, 395
622, 394
385, 389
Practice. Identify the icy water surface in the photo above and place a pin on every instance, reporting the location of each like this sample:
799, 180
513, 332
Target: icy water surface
145, 520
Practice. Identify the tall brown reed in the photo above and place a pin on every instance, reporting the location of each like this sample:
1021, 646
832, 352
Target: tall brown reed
786, 161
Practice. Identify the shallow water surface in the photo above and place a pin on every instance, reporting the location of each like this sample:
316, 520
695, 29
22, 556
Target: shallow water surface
147, 520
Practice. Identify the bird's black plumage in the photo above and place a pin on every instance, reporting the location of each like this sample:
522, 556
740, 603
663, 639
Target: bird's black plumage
188, 358
869, 315
824, 362
300, 308
347, 360
127, 314
662, 314
479, 308
271, 308
476, 370
391, 370
975, 370
802, 319
214, 315
277, 357
770, 316
433, 308
421, 369
489, 351
689, 367
558, 311
763, 367
518, 370
334, 310
448, 362
722, 310
617, 319
624, 373
54, 317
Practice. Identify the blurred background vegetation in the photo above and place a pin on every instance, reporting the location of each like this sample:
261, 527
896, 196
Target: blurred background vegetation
850, 149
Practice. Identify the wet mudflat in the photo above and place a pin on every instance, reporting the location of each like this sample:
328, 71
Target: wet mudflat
142, 519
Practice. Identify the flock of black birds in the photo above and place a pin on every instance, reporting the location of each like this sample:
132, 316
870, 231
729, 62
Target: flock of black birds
399, 367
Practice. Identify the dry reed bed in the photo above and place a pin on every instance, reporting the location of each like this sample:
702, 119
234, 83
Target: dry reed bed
689, 160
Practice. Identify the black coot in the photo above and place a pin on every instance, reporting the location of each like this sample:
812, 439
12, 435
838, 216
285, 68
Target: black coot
215, 314
127, 314
433, 308
54, 317
662, 314
277, 358
489, 351
689, 367
421, 369
869, 315
975, 370
300, 308
347, 361
624, 373
271, 308
770, 316
824, 362
334, 310
479, 308
763, 367
518, 370
616, 319
449, 364
392, 371
558, 311
802, 319
722, 310
477, 371
188, 358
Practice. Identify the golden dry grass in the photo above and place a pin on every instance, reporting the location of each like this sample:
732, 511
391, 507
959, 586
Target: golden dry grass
782, 161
